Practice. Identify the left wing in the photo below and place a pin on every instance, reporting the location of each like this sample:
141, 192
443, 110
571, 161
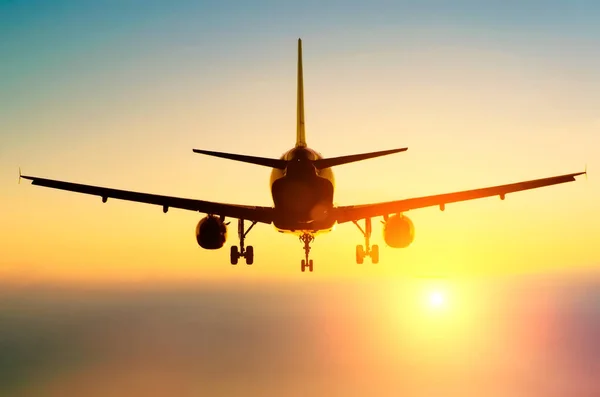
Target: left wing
356, 212
251, 213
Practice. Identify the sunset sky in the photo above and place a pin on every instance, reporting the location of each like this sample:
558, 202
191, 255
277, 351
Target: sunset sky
495, 298
117, 94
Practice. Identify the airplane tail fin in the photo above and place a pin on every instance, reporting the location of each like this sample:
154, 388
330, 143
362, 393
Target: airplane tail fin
300, 139
300, 132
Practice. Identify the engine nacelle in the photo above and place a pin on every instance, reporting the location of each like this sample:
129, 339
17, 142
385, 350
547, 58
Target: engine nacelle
211, 233
398, 231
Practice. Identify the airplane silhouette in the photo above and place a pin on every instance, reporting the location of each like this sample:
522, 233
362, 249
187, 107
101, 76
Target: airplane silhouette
302, 187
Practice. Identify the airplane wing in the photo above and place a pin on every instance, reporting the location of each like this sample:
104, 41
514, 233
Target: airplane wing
356, 212
251, 213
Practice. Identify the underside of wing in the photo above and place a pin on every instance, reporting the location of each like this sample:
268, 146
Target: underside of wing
356, 212
251, 213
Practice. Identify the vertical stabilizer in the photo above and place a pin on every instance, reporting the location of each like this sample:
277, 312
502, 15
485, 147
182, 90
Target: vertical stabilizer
300, 136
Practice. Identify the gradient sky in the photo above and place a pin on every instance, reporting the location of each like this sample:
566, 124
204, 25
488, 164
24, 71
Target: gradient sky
117, 93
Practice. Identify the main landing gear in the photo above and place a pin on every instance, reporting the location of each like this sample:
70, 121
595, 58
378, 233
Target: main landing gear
245, 252
306, 263
367, 250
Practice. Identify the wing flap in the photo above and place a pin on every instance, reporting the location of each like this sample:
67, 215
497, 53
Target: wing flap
259, 214
356, 212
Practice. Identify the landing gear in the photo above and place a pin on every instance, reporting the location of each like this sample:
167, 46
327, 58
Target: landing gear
375, 254
367, 250
360, 254
234, 255
306, 263
245, 252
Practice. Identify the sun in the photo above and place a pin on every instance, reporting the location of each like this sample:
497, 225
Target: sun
436, 299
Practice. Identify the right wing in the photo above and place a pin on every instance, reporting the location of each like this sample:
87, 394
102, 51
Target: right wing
250, 213
356, 212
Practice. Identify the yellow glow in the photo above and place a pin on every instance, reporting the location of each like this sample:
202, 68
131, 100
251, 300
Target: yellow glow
430, 316
437, 299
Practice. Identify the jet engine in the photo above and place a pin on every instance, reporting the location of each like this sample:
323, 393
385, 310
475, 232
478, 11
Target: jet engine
211, 233
398, 231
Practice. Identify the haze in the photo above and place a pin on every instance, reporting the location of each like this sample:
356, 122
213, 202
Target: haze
115, 95
536, 336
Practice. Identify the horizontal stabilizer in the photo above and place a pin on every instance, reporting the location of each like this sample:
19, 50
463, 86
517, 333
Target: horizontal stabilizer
326, 163
273, 163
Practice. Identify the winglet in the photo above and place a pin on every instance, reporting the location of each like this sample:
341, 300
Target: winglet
585, 172
19, 175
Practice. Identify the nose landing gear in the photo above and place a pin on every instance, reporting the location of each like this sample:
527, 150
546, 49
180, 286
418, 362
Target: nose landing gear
367, 250
242, 252
306, 238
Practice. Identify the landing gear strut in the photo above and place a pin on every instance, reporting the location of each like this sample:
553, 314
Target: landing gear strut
245, 252
367, 250
307, 263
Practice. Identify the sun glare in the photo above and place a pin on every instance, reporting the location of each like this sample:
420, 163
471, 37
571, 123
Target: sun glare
436, 299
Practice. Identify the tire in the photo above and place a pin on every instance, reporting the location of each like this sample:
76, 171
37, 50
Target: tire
303, 265
249, 255
360, 254
234, 255
375, 254
310, 265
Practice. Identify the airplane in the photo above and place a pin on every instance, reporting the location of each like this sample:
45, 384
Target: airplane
302, 189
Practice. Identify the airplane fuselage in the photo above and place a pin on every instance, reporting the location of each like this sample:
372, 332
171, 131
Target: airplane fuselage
302, 194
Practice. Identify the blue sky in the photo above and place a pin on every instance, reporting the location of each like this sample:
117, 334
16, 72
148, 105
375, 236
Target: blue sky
100, 45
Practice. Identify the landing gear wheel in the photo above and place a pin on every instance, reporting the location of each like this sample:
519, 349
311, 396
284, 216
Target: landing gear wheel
375, 254
367, 250
242, 251
304, 265
234, 254
360, 254
306, 238
249, 255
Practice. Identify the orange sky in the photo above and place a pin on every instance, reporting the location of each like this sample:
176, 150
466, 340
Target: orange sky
472, 114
